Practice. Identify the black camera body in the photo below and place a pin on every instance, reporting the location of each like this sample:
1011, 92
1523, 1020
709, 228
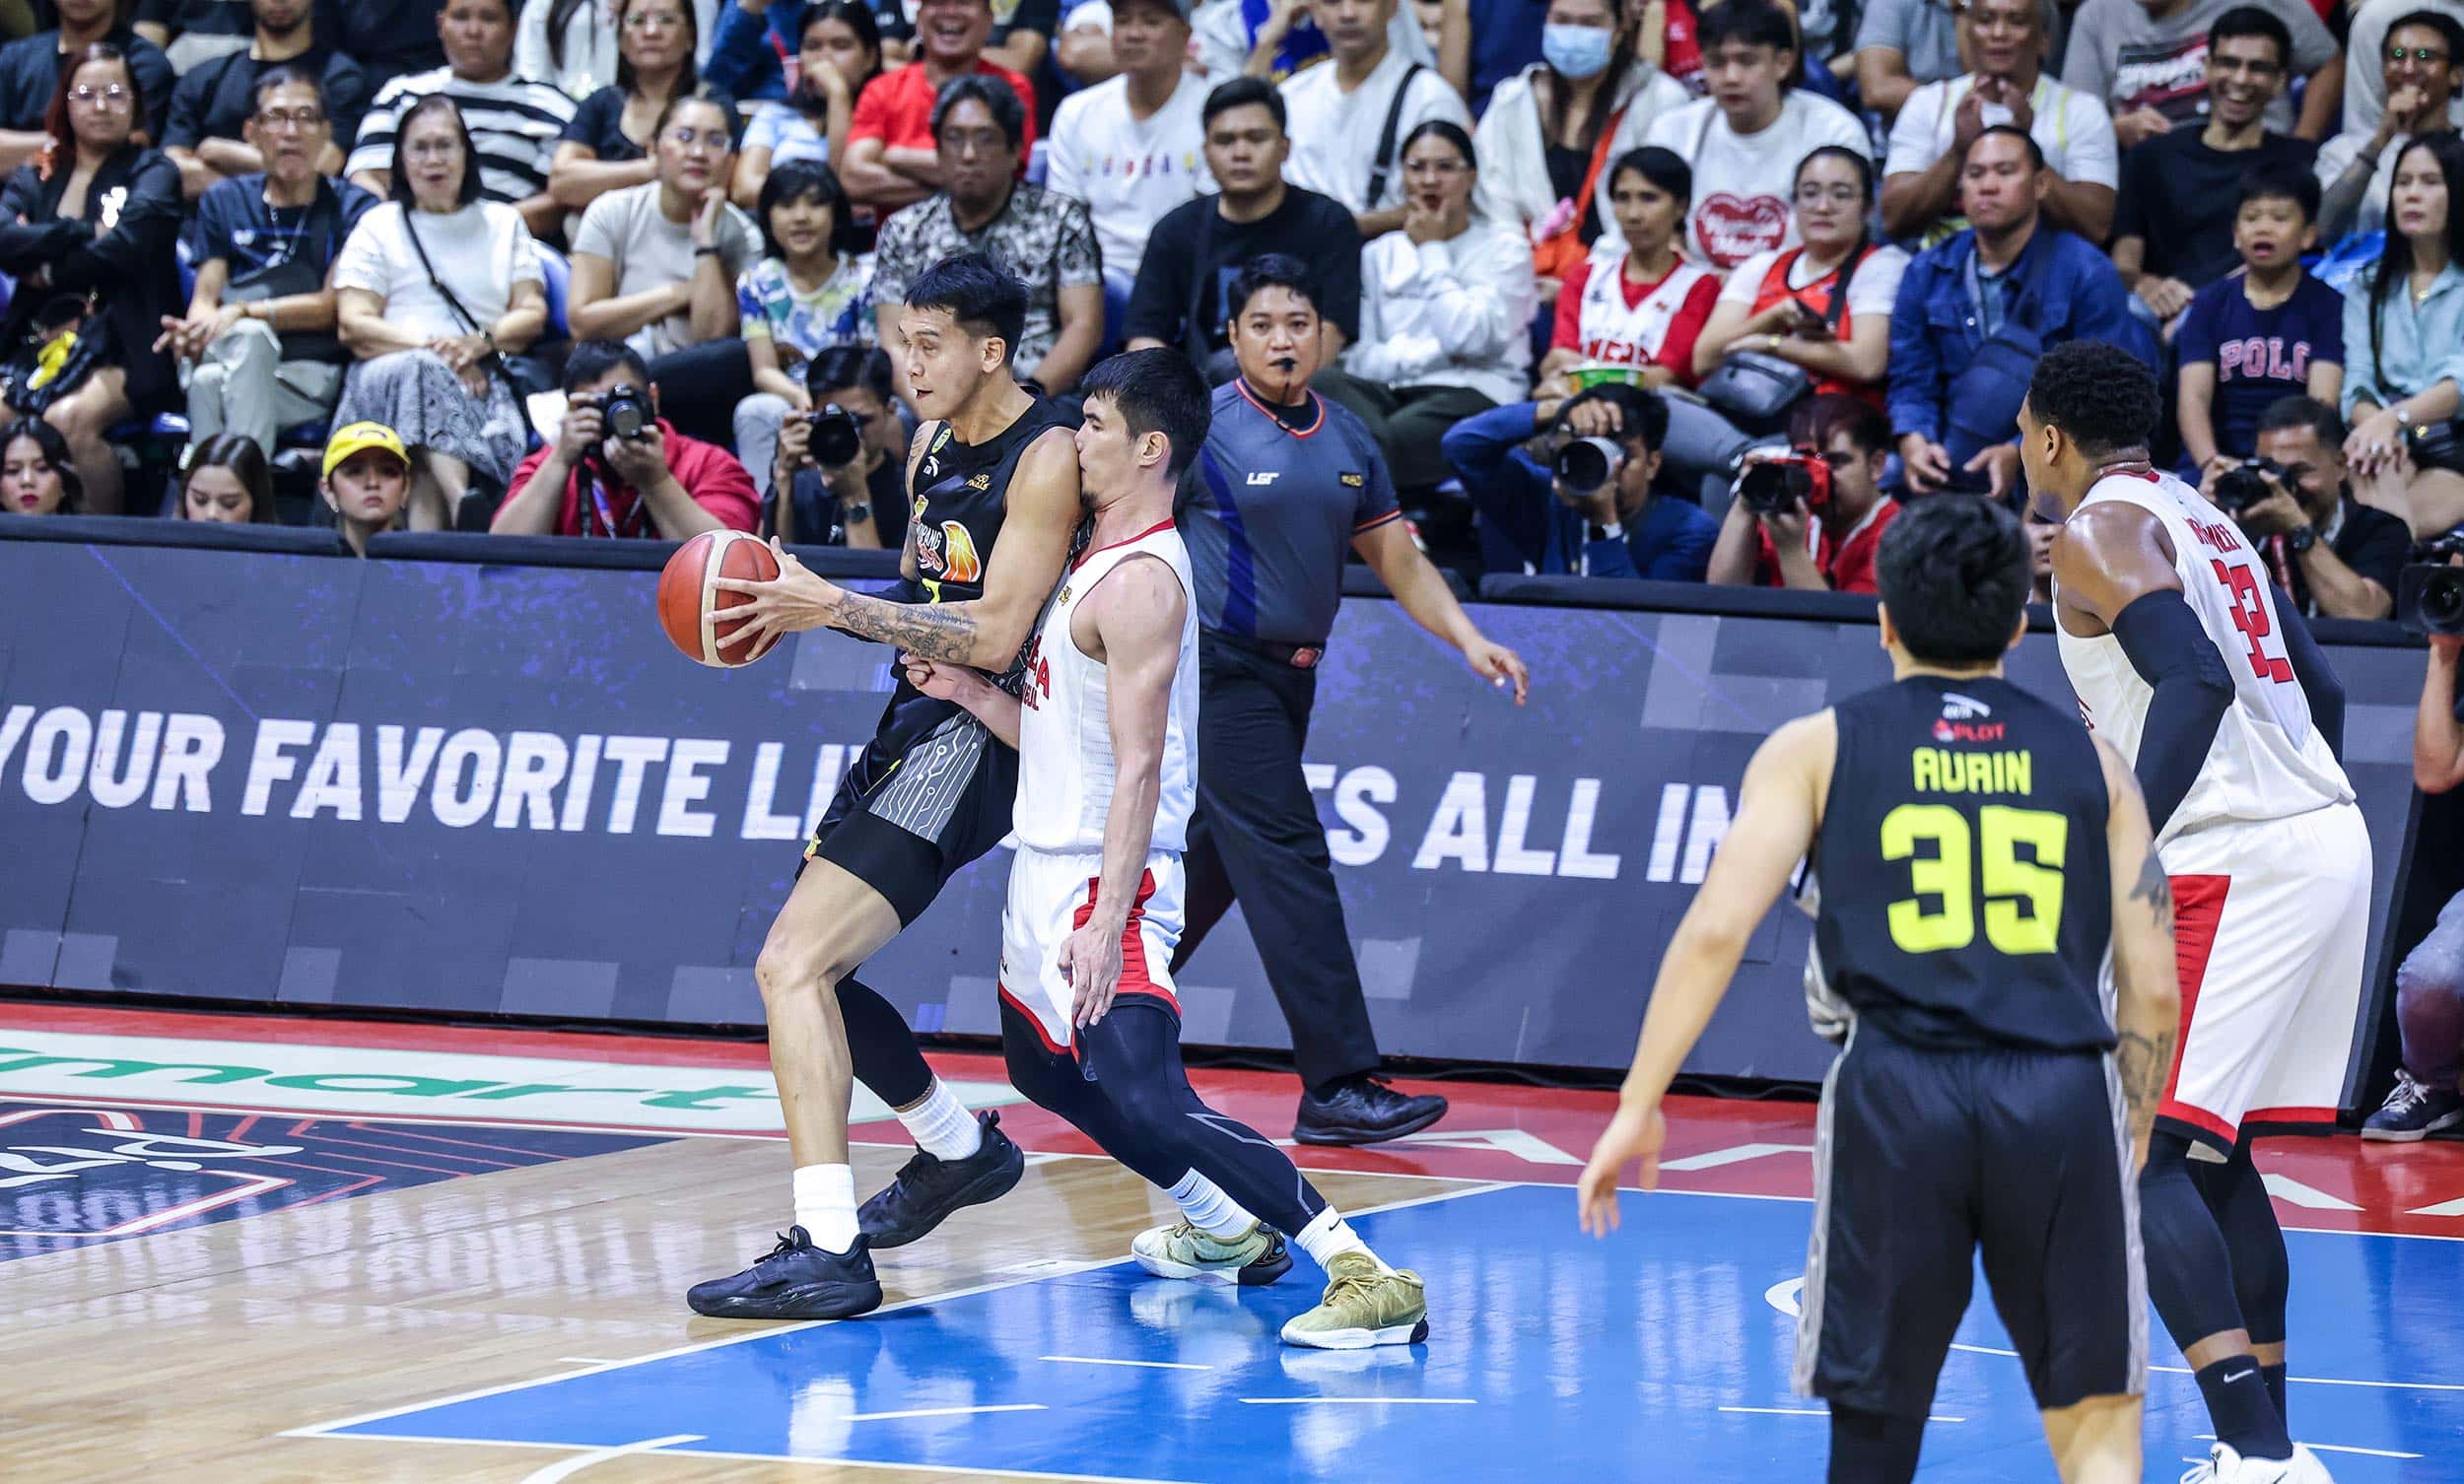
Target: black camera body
837, 437
2245, 484
1769, 486
625, 413
2430, 593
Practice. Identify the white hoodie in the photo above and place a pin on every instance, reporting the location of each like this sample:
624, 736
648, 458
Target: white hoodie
1514, 189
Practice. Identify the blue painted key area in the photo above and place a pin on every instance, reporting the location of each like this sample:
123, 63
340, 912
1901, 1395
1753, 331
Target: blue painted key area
1552, 1356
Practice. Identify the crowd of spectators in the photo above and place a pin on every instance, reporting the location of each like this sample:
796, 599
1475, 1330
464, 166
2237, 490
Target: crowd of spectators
1698, 236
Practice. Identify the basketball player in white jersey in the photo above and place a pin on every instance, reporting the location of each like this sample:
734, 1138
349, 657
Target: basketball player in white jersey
2183, 658
1105, 727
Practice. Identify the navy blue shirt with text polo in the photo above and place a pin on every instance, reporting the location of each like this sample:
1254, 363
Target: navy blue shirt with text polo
1272, 512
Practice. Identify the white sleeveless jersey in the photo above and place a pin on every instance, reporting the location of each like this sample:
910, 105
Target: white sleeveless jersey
1065, 764
2267, 762
1616, 335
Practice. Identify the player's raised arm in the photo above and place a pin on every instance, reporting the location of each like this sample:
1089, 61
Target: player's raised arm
2147, 1014
1137, 607
1779, 807
2113, 572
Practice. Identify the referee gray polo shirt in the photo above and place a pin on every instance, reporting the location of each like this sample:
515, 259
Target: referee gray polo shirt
1271, 514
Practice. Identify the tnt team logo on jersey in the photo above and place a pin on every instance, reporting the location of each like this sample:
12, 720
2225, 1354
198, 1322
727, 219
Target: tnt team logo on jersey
1961, 721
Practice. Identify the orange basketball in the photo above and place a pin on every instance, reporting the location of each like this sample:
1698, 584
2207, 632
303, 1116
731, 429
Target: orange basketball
691, 604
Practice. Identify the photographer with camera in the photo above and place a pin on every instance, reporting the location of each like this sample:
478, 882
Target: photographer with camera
2335, 555
1812, 516
836, 481
2428, 1095
617, 468
1584, 508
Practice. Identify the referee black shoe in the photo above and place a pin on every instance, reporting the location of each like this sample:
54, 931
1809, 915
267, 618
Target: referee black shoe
929, 1189
794, 1280
1362, 1110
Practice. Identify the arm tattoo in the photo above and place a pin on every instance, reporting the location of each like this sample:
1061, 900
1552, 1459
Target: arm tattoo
2144, 1064
932, 630
2156, 889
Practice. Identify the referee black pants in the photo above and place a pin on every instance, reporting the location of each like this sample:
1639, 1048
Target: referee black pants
1257, 836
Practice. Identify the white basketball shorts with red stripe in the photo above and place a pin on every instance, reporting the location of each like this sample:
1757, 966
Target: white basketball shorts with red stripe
1052, 896
2270, 924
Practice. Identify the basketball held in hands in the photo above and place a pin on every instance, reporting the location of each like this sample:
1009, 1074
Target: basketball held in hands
692, 608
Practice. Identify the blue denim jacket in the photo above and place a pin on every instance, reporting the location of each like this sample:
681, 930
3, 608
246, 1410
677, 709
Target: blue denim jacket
2419, 345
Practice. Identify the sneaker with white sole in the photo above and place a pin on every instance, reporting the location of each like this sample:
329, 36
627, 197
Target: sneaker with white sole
2225, 1467
2413, 1109
1181, 1250
1366, 1304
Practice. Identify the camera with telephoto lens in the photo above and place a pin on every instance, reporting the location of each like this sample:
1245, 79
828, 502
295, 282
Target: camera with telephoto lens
1583, 464
2430, 594
1770, 486
2245, 484
837, 437
625, 413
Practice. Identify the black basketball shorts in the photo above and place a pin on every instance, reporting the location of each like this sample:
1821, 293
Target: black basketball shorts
931, 793
1924, 1157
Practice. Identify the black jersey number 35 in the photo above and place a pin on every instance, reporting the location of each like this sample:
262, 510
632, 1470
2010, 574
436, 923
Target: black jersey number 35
1952, 864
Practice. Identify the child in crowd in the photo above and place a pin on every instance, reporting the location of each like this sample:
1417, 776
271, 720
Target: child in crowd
2265, 331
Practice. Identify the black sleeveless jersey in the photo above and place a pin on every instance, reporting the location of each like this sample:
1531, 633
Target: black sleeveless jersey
1965, 900
957, 498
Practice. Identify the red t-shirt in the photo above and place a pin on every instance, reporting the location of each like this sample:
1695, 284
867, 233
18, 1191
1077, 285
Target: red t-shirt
896, 108
1849, 567
707, 472
1677, 347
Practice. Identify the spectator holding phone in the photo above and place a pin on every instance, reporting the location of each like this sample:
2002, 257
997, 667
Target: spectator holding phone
227, 483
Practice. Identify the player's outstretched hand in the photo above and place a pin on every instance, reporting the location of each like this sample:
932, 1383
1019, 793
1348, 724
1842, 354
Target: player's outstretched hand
790, 603
1497, 664
1090, 960
1635, 1133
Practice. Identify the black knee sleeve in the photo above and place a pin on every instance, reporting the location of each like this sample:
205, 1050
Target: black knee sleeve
2190, 1270
882, 1048
1874, 1448
2254, 1241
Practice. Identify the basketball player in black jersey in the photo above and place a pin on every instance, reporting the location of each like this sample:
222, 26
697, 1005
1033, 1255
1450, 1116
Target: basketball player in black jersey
994, 502
1974, 851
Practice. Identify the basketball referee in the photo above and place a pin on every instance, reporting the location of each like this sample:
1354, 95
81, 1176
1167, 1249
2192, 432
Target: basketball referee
1977, 853
1288, 484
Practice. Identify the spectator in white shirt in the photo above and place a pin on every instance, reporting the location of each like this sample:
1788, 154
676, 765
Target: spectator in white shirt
1446, 308
1788, 304
1550, 131
1339, 114
2365, 89
2006, 40
2422, 67
1133, 148
1744, 142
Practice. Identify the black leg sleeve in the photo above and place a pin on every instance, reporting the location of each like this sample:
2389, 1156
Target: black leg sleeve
883, 1051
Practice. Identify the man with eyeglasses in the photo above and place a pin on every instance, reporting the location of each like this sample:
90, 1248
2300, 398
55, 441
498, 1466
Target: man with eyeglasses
893, 151
2365, 41
258, 339
216, 102
30, 73
2422, 66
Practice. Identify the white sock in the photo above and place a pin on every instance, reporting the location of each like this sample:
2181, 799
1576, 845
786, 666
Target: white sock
1330, 1236
824, 1205
941, 1125
1209, 1209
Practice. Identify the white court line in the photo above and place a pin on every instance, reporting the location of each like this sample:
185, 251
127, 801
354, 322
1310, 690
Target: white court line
566, 1468
1014, 1406
2330, 1447
320, 1429
1361, 1401
2307, 1381
586, 1360
775, 1459
1098, 1360
1814, 1412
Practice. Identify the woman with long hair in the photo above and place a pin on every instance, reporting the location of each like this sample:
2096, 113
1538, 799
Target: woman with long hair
809, 293
838, 51
610, 143
1825, 305
1635, 308
37, 474
87, 228
431, 291
227, 483
571, 43
2404, 343
1549, 133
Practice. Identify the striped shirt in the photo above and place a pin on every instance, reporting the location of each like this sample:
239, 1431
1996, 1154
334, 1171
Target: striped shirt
1271, 514
513, 123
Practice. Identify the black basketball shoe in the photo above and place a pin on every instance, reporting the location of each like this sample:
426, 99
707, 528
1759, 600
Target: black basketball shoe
928, 1188
796, 1280
1361, 1109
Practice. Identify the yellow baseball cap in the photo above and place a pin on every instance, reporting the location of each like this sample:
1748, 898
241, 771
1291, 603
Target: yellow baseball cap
358, 437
